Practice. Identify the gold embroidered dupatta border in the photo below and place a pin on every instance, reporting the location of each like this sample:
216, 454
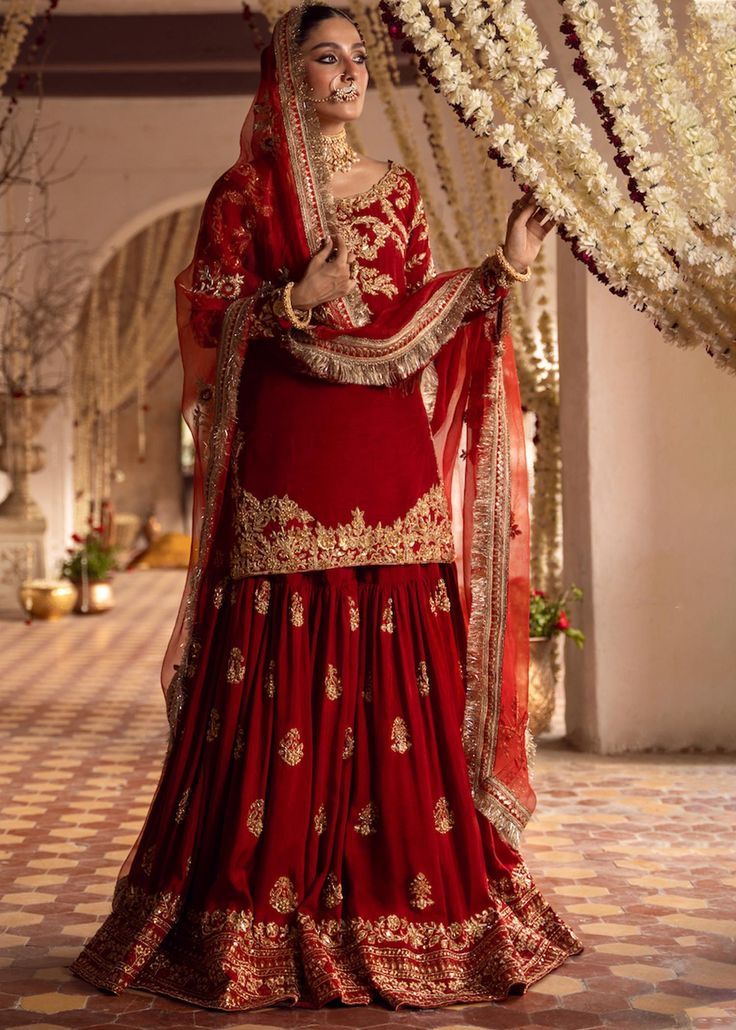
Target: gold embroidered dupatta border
386, 361
230, 357
489, 605
311, 175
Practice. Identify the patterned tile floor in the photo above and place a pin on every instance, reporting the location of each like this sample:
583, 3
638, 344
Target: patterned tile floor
637, 852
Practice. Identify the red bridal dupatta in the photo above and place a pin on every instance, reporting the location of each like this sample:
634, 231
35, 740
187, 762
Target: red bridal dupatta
262, 221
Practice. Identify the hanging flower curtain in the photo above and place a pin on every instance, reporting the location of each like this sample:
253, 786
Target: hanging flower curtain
125, 335
17, 19
665, 239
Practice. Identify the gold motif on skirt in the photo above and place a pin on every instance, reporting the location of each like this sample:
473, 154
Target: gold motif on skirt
188, 866
349, 745
440, 601
367, 819
320, 820
291, 748
262, 597
213, 727
282, 895
420, 892
400, 739
254, 819
269, 684
406, 953
422, 679
354, 614
147, 860
387, 618
218, 594
444, 820
195, 650
181, 808
333, 683
296, 609
236, 666
331, 891
239, 745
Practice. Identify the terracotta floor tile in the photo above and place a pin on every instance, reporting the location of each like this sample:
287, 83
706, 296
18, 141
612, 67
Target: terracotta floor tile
53, 1001
629, 1019
593, 909
666, 1004
568, 1019
621, 948
711, 974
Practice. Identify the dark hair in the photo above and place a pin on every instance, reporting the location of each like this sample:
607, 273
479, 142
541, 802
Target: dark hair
316, 13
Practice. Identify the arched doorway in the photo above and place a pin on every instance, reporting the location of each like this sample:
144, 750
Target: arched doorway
130, 444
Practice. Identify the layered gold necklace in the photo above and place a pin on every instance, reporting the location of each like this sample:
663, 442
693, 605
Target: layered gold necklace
339, 156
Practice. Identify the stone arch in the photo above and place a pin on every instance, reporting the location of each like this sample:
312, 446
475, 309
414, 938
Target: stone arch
127, 378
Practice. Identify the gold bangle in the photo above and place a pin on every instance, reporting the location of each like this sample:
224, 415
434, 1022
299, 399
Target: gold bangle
508, 268
293, 317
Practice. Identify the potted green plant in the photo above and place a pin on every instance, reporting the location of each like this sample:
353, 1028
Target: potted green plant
89, 565
548, 618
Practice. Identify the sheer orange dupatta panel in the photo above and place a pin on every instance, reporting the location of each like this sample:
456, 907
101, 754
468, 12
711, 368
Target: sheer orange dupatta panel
478, 430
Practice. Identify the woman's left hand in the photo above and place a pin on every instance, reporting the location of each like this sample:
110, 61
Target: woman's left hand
526, 228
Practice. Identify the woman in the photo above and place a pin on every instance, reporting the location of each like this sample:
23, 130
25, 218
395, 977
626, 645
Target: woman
339, 811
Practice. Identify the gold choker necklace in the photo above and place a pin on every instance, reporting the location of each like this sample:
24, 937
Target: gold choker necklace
338, 154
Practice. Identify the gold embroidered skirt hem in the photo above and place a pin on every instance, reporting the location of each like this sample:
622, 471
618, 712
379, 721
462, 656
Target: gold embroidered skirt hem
226, 960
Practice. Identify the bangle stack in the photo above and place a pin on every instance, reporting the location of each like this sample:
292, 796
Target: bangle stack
509, 272
284, 308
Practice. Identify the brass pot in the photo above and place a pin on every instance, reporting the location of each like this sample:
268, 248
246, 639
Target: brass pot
94, 597
541, 683
48, 599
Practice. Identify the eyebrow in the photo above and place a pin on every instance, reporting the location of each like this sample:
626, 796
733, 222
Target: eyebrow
317, 45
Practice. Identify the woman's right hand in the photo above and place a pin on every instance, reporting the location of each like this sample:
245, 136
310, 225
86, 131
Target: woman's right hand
325, 280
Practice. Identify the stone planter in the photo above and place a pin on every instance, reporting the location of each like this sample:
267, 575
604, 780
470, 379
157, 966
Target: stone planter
541, 683
21, 419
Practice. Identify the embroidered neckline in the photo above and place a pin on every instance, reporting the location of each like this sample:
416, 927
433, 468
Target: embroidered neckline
374, 191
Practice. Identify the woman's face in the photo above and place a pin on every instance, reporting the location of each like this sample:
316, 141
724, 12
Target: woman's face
334, 53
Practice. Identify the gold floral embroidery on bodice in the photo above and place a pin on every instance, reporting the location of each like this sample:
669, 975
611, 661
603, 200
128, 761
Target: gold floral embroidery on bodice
277, 535
369, 221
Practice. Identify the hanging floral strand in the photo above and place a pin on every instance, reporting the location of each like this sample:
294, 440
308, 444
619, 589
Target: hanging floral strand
17, 21
614, 101
701, 164
255, 32
549, 152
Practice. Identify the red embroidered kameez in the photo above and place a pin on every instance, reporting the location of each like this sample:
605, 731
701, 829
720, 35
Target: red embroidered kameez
339, 810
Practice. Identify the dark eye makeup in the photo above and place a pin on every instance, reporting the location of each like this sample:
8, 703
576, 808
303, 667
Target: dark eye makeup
325, 58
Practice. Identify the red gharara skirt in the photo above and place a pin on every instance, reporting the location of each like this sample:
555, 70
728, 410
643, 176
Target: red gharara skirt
313, 835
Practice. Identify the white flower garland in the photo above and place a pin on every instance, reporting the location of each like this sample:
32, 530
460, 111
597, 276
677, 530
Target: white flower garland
531, 87
16, 23
542, 104
613, 235
703, 164
716, 19
672, 225
514, 151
